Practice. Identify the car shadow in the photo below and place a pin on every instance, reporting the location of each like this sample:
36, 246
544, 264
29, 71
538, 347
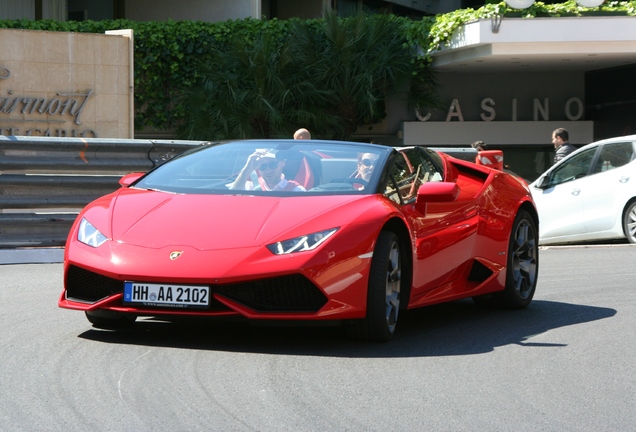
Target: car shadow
450, 329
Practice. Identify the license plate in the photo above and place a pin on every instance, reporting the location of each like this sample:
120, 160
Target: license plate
175, 296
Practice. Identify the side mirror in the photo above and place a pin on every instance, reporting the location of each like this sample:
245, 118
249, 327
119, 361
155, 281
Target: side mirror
130, 178
435, 192
543, 183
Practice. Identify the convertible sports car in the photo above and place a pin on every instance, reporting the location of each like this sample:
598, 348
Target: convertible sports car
327, 231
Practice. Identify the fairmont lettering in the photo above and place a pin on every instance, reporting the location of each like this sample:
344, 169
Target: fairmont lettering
67, 104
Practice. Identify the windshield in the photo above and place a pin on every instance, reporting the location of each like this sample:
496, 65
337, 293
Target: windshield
281, 167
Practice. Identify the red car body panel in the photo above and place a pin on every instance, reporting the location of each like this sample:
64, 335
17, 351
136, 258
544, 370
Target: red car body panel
223, 239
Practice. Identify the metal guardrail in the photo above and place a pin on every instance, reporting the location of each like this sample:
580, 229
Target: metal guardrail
44, 182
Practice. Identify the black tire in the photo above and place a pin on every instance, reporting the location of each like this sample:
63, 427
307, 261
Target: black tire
383, 296
522, 267
629, 222
109, 320
523, 263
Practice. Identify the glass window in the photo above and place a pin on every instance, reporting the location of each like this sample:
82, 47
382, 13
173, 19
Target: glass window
614, 155
409, 170
576, 167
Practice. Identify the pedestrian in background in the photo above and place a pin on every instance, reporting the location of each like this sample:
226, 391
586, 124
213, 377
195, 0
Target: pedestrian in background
302, 134
489, 158
479, 145
562, 146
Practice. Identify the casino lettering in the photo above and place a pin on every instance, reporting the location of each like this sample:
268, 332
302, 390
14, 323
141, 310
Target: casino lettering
573, 110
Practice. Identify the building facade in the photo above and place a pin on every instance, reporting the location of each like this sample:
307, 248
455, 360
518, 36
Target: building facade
215, 10
509, 82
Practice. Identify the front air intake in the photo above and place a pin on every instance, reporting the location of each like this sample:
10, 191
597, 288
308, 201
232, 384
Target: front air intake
479, 272
292, 293
89, 287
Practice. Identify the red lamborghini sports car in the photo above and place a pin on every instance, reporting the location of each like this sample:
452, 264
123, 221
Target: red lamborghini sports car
338, 232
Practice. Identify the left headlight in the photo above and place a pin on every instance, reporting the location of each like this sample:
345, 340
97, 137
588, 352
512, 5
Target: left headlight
90, 235
302, 243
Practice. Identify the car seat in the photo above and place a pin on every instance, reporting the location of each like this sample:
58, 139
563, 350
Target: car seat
298, 168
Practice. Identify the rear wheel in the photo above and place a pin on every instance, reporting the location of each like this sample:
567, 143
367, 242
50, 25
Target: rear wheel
523, 263
110, 320
629, 222
522, 266
383, 296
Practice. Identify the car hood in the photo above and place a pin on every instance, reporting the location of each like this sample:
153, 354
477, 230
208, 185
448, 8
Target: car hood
211, 222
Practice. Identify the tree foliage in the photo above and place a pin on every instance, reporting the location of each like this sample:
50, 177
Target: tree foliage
252, 89
331, 75
366, 60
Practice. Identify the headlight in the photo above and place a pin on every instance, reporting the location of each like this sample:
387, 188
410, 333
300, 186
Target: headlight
90, 235
303, 243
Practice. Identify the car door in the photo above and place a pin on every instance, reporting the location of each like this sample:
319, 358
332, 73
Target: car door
444, 237
558, 196
611, 185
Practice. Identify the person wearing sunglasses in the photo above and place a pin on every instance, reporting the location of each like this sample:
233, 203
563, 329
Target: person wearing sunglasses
264, 171
366, 164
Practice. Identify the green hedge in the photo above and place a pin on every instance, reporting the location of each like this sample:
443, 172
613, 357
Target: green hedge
168, 53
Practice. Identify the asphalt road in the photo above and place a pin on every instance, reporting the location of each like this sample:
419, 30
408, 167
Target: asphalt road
564, 364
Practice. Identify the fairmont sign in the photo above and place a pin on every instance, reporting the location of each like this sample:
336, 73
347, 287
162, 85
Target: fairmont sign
29, 115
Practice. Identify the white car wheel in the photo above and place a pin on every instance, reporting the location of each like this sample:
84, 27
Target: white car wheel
629, 222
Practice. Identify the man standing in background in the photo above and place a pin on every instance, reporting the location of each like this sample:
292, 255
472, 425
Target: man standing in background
302, 134
560, 139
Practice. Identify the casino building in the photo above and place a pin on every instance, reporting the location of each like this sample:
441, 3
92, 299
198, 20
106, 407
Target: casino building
508, 82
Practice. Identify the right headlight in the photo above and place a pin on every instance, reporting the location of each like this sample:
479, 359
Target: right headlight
90, 235
303, 243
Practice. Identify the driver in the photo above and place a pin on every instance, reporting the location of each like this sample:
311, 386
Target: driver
264, 171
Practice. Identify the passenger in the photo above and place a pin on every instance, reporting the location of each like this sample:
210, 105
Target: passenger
268, 174
366, 164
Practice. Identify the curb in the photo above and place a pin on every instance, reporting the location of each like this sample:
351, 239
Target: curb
32, 256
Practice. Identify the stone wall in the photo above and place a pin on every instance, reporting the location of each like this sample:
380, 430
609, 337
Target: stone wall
66, 84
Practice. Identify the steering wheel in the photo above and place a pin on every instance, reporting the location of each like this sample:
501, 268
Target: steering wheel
351, 181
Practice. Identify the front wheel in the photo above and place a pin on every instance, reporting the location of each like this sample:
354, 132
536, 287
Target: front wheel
383, 296
629, 222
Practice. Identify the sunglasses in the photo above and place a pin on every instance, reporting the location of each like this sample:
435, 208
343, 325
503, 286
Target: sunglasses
368, 162
270, 165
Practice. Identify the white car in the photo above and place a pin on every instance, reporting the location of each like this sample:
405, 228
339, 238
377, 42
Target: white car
589, 195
